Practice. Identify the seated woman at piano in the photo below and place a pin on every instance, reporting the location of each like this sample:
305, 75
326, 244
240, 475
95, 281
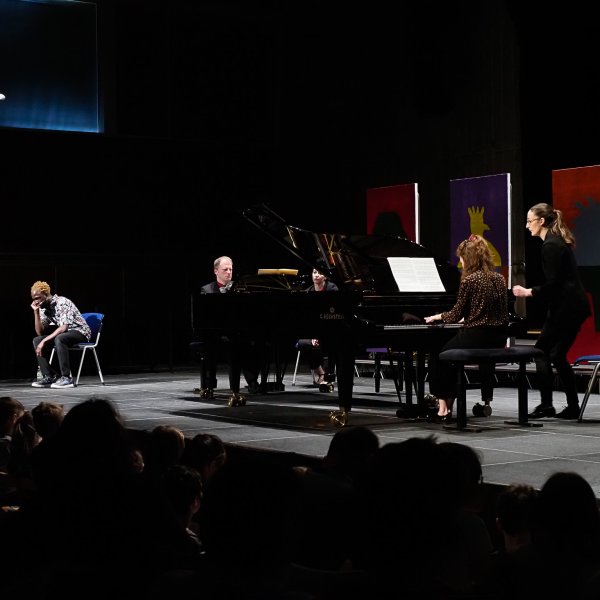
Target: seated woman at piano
482, 306
311, 348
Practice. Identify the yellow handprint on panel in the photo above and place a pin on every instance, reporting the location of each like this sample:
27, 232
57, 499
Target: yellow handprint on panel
477, 227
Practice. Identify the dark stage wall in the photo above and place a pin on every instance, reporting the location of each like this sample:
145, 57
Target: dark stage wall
213, 106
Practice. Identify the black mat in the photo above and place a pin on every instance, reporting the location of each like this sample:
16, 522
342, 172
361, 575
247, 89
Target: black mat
267, 414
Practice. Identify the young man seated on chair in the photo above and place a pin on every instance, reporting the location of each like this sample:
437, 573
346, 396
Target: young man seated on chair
58, 323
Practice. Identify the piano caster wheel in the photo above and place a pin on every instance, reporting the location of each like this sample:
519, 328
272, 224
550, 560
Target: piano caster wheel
236, 400
482, 410
339, 417
432, 402
204, 393
326, 387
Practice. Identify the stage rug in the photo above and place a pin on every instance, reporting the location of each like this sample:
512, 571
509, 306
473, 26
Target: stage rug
267, 414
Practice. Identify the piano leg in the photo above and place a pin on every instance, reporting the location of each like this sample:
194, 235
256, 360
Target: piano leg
206, 353
345, 383
414, 380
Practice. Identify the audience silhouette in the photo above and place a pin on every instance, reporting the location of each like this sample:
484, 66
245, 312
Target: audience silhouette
113, 513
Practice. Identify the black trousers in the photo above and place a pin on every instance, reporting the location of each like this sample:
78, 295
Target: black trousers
62, 343
555, 341
313, 354
241, 354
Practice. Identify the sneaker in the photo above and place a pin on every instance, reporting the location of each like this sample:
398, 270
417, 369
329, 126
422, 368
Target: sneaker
45, 381
63, 382
541, 411
571, 411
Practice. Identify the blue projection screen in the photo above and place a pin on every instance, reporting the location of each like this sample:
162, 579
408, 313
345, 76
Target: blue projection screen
49, 65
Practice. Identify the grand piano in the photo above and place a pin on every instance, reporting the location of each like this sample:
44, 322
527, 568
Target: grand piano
368, 310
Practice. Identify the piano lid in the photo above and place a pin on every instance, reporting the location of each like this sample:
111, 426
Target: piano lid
352, 261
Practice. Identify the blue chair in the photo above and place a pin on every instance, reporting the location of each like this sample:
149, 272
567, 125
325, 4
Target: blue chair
94, 321
589, 359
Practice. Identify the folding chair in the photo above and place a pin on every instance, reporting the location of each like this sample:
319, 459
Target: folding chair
590, 359
94, 321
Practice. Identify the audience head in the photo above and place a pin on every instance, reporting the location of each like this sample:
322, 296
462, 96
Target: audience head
515, 508
567, 521
167, 443
463, 474
206, 453
25, 434
47, 418
182, 489
11, 410
92, 436
350, 449
94, 418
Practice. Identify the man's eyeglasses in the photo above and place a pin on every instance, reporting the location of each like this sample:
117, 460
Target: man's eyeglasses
532, 220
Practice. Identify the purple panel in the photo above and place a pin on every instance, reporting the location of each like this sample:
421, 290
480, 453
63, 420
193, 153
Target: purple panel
479, 205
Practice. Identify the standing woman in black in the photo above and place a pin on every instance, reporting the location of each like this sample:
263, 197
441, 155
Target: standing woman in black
568, 308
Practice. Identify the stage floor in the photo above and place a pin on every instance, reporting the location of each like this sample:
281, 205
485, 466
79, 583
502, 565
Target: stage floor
297, 420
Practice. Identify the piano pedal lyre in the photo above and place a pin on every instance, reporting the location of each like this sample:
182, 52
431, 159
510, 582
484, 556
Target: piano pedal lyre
339, 417
236, 400
204, 393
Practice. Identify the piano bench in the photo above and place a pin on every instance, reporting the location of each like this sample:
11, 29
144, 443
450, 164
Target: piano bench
520, 354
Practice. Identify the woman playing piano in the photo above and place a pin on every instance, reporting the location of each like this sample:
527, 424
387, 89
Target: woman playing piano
482, 307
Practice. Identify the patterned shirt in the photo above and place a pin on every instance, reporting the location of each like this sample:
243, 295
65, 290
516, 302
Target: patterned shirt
482, 301
63, 312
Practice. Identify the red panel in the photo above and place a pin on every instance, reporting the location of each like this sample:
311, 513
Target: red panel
576, 193
392, 210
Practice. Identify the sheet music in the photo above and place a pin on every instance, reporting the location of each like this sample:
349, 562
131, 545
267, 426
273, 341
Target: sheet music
415, 274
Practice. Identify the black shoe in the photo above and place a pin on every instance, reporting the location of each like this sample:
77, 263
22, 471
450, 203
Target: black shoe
571, 411
541, 411
447, 418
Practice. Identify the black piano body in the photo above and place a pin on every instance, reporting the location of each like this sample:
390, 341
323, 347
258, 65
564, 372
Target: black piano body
368, 310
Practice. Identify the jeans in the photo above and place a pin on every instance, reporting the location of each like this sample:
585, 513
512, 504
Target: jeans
62, 343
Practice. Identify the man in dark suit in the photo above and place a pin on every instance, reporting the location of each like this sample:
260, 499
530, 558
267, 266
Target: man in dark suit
241, 352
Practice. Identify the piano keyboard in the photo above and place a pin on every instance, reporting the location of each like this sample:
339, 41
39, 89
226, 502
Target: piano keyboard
422, 327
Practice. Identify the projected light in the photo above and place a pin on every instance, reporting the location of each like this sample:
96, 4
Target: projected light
49, 66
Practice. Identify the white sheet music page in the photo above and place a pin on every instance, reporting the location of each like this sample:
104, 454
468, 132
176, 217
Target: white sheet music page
416, 274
